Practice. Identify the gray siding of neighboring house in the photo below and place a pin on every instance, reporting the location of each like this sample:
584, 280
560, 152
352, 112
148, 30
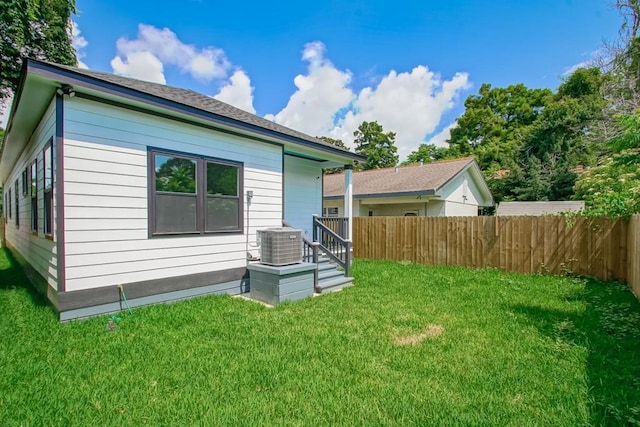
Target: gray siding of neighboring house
538, 208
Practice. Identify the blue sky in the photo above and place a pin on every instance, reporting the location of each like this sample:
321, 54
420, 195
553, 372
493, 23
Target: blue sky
323, 67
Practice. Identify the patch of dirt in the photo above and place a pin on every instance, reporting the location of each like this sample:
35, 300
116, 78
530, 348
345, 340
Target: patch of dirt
431, 331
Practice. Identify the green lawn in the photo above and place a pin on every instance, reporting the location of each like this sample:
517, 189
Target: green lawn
408, 345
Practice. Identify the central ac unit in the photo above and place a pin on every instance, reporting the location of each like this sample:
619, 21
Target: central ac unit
280, 246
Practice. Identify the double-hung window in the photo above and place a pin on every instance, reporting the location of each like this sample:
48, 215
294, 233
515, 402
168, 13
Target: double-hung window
330, 212
34, 195
193, 194
25, 181
48, 188
16, 193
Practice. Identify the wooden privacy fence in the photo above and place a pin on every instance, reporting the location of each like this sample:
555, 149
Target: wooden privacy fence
603, 248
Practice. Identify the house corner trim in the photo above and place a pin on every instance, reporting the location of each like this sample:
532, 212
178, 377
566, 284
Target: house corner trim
59, 189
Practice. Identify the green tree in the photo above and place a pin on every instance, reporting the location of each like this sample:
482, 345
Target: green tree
529, 141
534, 181
495, 124
38, 29
175, 174
379, 147
565, 136
337, 143
612, 188
334, 141
427, 153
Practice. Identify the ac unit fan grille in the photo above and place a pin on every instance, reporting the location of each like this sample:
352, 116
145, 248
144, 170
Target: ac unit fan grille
280, 246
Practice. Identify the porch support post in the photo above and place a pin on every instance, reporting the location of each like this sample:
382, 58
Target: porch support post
348, 199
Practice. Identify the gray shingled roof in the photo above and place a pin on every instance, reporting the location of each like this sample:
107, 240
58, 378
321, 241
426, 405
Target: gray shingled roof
195, 100
538, 208
405, 179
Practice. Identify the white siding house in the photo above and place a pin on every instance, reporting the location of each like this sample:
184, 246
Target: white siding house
146, 188
445, 188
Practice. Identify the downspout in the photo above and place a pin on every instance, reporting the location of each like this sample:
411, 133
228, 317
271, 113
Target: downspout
58, 222
249, 197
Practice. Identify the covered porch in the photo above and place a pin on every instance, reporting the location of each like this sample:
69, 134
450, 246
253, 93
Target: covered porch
327, 242
324, 244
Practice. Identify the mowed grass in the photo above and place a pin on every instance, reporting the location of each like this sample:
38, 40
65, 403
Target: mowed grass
408, 345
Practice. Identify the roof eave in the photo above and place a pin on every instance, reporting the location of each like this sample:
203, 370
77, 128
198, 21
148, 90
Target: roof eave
485, 187
15, 104
383, 195
75, 79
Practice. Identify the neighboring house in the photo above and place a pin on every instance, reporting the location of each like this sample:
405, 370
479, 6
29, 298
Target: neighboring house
110, 181
444, 188
538, 208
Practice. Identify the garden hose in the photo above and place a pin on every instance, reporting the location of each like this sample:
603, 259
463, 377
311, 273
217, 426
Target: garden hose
124, 298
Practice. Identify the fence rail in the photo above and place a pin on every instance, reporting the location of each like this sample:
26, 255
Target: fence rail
603, 248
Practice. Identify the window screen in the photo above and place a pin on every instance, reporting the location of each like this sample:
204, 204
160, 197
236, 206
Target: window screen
195, 194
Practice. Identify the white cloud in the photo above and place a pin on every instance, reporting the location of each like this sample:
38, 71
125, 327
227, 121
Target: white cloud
164, 46
440, 139
78, 43
574, 67
140, 65
411, 104
147, 56
238, 92
321, 93
592, 59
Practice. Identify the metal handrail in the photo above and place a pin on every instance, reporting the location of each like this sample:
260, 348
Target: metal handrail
333, 245
338, 224
330, 243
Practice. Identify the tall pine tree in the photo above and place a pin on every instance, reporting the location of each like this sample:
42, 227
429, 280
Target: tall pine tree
379, 147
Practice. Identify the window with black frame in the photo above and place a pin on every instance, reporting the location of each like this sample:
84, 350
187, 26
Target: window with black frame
223, 199
176, 199
16, 193
48, 189
34, 195
25, 181
194, 195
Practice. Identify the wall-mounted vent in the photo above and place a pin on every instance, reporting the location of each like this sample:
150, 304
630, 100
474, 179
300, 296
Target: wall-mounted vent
280, 246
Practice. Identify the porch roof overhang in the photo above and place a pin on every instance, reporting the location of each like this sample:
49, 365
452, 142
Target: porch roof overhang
40, 80
428, 193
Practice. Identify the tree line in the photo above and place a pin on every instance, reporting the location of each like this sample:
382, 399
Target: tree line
579, 142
